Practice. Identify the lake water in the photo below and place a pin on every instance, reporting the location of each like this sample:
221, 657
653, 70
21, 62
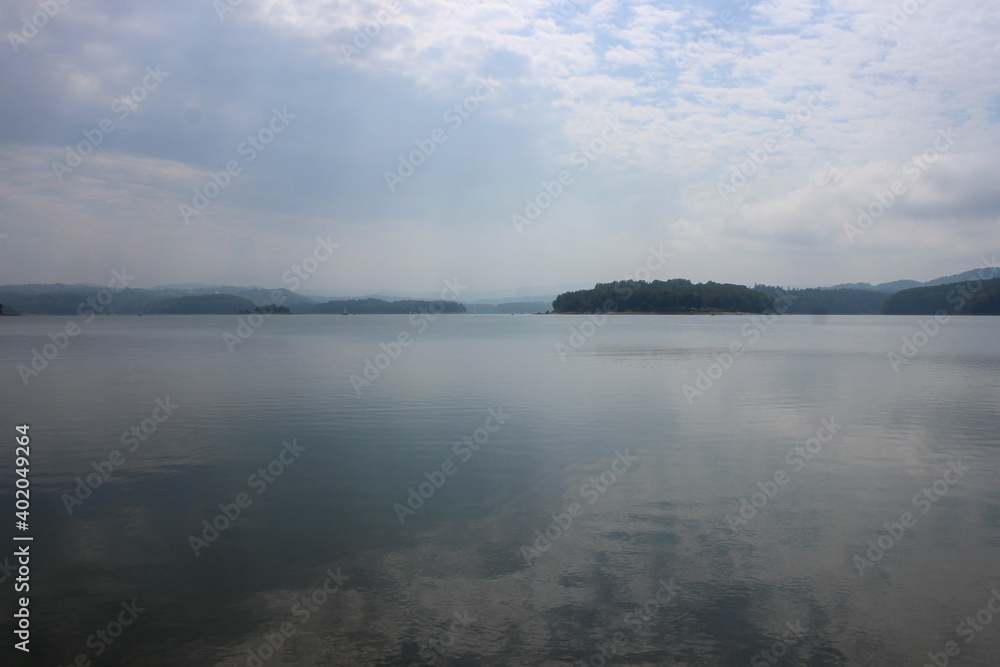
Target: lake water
508, 428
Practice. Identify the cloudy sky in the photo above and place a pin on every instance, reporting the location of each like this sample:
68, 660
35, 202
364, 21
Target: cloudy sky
525, 143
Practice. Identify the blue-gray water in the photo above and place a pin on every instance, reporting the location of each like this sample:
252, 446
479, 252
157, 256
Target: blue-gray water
452, 583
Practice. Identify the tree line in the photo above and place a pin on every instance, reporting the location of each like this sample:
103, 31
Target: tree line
670, 296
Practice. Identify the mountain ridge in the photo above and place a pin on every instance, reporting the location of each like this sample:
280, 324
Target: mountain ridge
65, 298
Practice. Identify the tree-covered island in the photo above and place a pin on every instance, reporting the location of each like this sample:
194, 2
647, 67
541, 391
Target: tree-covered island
674, 296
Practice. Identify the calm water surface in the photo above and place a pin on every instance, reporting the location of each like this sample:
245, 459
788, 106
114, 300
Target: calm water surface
568, 481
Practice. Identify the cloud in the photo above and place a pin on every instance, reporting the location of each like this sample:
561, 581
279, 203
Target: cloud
698, 89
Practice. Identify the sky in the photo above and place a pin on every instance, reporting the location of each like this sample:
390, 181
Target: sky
531, 145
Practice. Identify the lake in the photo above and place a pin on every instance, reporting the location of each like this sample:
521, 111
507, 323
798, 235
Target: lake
508, 490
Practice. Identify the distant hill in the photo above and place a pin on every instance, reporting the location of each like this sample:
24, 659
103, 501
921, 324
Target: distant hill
295, 302
864, 286
514, 307
828, 301
204, 304
671, 296
189, 287
63, 303
60, 299
897, 285
658, 296
957, 278
526, 298
885, 288
954, 298
71, 300
380, 307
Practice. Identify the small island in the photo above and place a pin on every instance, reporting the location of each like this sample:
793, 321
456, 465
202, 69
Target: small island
268, 309
664, 297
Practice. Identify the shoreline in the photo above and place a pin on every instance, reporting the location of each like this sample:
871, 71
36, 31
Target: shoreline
647, 312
